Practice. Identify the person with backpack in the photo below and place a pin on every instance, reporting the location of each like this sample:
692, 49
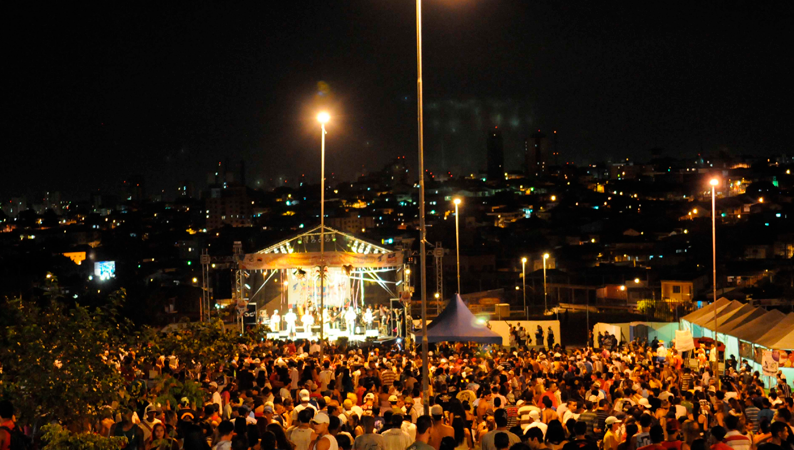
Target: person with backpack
11, 437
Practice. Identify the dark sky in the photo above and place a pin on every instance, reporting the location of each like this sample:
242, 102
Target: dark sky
101, 91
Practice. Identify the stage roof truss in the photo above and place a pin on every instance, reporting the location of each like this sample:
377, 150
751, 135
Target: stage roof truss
292, 244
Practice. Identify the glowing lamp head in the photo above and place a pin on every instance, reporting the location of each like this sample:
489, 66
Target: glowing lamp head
523, 260
456, 201
714, 182
545, 256
437, 295
407, 271
636, 281
323, 117
623, 288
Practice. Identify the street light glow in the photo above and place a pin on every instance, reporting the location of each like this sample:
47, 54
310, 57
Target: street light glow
714, 182
456, 201
637, 281
545, 256
523, 260
323, 117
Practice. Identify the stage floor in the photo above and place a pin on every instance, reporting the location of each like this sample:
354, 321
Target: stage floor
332, 335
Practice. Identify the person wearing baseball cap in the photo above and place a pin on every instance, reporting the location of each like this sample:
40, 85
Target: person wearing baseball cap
393, 400
534, 422
304, 398
611, 440
440, 429
324, 440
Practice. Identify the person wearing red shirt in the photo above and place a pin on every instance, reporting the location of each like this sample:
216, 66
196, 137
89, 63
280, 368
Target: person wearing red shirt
6, 424
550, 393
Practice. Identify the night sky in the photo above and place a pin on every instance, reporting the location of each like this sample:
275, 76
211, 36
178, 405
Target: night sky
101, 91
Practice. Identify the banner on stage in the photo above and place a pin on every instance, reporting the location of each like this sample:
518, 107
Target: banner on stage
683, 340
271, 261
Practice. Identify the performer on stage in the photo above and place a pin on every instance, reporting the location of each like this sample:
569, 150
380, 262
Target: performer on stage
350, 321
275, 322
290, 318
368, 318
326, 320
308, 321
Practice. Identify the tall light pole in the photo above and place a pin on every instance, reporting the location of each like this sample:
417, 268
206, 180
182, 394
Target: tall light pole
457, 239
545, 292
714, 182
524, 283
323, 118
422, 229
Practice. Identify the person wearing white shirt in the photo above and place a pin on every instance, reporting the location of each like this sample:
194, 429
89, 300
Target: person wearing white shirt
350, 321
534, 416
308, 321
290, 318
275, 322
326, 376
395, 438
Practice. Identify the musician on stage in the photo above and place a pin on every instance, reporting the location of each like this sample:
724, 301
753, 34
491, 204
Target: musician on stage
368, 318
350, 321
275, 322
290, 318
383, 313
308, 321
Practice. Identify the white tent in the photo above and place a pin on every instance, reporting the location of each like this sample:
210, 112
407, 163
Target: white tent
758, 327
741, 318
707, 320
780, 336
708, 309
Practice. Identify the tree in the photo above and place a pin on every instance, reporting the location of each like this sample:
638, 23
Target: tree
61, 363
58, 438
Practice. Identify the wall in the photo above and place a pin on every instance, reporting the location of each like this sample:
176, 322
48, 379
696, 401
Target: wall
502, 327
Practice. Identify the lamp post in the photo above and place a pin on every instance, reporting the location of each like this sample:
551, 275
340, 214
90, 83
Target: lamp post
714, 182
422, 228
457, 240
545, 292
524, 284
323, 118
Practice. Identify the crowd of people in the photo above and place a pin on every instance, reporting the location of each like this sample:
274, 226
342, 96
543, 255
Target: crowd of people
285, 395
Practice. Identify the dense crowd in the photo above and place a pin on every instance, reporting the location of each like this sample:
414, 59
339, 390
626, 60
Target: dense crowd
283, 395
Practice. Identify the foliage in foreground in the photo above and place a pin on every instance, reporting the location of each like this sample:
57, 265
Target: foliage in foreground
58, 438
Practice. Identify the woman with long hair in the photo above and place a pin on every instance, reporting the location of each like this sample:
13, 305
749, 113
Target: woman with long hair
463, 440
282, 443
555, 435
159, 440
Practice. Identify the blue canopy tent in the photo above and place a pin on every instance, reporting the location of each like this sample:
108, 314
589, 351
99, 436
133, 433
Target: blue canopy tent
457, 324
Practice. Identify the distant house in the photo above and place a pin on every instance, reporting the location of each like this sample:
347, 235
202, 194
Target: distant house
683, 289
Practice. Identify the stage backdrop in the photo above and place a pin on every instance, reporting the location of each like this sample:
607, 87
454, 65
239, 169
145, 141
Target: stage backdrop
306, 288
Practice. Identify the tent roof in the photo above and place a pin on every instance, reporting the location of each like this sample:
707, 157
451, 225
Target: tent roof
721, 303
457, 324
722, 313
781, 336
740, 317
759, 326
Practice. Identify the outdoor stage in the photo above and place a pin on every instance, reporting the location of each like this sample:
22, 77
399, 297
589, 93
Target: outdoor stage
324, 276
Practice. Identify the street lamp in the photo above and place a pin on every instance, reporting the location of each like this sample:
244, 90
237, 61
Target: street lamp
714, 182
524, 282
457, 239
545, 292
323, 118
